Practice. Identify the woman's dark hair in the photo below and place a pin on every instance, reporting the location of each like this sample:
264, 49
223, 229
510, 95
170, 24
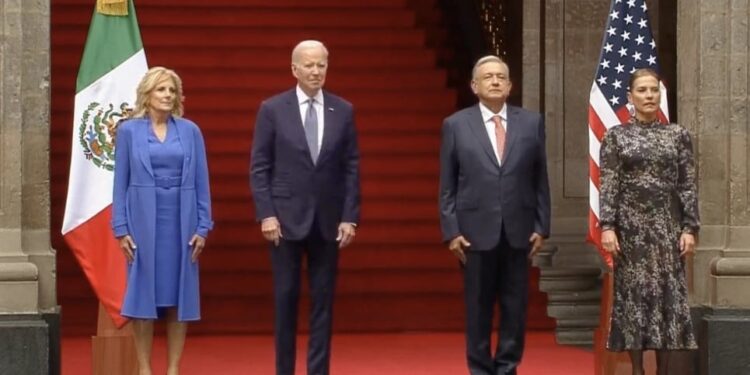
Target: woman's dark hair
643, 72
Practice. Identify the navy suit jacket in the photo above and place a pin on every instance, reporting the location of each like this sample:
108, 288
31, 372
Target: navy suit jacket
478, 197
285, 181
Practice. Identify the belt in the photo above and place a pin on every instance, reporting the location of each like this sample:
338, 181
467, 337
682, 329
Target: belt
168, 182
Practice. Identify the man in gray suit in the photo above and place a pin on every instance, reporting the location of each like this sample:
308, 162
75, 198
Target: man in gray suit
494, 212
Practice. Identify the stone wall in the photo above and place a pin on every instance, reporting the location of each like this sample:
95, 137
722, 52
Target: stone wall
713, 77
28, 307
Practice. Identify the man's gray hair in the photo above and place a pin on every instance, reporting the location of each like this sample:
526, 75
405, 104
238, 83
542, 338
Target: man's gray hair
484, 60
307, 44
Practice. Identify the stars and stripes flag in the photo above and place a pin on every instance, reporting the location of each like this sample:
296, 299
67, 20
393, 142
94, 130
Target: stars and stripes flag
628, 45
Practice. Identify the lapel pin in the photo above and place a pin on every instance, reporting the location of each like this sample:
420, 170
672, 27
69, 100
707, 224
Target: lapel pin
330, 109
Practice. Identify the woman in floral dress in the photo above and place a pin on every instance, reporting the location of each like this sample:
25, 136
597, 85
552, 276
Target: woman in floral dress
649, 220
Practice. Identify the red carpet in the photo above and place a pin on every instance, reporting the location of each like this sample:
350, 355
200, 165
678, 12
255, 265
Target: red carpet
375, 354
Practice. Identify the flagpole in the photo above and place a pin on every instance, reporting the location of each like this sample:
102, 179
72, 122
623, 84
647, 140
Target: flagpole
112, 349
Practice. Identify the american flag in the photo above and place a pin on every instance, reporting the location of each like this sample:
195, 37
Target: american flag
628, 45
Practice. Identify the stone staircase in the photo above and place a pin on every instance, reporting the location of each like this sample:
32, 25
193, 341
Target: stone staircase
573, 295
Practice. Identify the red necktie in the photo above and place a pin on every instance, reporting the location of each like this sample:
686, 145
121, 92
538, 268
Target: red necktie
499, 136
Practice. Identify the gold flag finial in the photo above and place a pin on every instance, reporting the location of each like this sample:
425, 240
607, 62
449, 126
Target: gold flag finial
112, 7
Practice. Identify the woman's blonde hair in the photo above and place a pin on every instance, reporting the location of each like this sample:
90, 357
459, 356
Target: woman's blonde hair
148, 84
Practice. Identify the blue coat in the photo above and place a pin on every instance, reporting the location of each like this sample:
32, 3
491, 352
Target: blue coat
134, 213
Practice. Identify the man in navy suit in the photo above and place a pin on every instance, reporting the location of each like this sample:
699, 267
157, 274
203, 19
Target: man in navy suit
494, 212
304, 175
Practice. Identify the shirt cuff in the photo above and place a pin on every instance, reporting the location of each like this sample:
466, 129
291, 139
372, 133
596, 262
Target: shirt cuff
121, 230
607, 227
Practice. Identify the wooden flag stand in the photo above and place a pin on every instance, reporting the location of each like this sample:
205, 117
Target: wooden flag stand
613, 363
112, 349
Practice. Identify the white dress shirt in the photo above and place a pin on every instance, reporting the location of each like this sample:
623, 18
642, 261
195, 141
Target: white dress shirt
303, 103
489, 124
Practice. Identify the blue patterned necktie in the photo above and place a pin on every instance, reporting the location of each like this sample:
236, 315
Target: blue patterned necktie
311, 129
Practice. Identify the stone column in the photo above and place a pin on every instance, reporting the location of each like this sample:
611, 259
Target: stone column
29, 315
572, 43
713, 76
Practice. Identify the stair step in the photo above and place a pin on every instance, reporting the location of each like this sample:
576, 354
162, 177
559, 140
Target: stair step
216, 57
234, 99
382, 145
196, 110
145, 4
387, 145
429, 256
226, 235
569, 279
571, 272
567, 285
578, 323
243, 123
386, 234
413, 212
386, 166
238, 189
350, 282
575, 296
563, 311
160, 36
278, 78
211, 16
584, 338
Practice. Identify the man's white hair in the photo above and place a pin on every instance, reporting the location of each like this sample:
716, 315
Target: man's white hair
307, 44
484, 60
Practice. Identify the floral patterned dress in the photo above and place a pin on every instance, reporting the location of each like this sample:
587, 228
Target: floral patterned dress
648, 196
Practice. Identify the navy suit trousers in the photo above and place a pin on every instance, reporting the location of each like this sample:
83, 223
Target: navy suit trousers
502, 274
322, 265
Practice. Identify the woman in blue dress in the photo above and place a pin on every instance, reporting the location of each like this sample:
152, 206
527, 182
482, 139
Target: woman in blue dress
161, 214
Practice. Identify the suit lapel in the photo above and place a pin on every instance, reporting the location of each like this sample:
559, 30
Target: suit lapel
511, 131
480, 132
144, 153
330, 120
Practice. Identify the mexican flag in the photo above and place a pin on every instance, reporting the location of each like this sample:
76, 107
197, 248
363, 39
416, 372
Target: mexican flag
112, 65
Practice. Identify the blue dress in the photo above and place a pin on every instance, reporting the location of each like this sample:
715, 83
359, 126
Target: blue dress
166, 161
139, 193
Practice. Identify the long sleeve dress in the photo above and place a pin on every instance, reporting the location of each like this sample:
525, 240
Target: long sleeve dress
161, 198
649, 197
166, 161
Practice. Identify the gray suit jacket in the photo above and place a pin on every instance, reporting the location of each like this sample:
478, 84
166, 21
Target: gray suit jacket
478, 197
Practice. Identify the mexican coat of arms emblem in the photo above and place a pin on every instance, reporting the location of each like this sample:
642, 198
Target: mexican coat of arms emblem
97, 131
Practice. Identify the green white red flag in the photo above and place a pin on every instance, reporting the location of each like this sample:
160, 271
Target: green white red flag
113, 63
